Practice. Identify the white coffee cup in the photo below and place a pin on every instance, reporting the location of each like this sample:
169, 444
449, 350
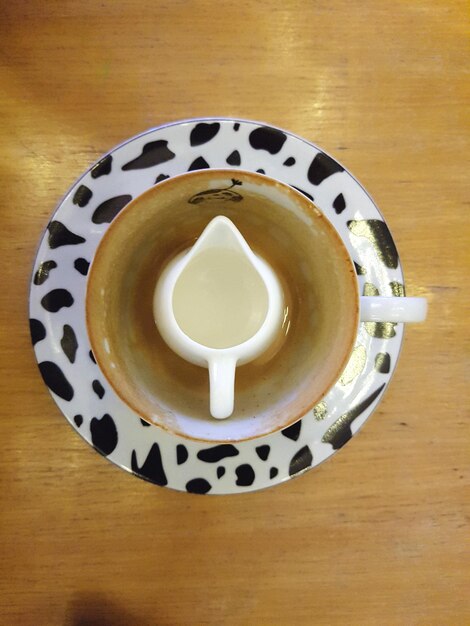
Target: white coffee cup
322, 307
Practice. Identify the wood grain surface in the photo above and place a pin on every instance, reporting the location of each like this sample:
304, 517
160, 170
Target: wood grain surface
379, 534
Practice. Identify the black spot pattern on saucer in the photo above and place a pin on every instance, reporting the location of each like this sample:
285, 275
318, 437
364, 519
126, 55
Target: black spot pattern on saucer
37, 330
217, 453
92, 356
261, 171
69, 342
153, 153
263, 452
220, 471
289, 162
42, 273
56, 300
152, 469
198, 164
55, 380
340, 432
398, 289
245, 475
377, 232
60, 235
267, 138
82, 266
236, 127
181, 454
382, 362
82, 196
203, 132
107, 210
339, 203
360, 270
104, 435
234, 158
144, 423
381, 330
322, 167
103, 167
98, 388
161, 177
305, 193
78, 420
273, 472
198, 485
300, 461
293, 432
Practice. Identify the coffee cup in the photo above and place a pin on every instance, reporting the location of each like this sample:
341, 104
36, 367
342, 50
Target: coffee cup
321, 305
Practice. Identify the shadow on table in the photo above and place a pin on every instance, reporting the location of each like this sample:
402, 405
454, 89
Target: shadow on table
87, 609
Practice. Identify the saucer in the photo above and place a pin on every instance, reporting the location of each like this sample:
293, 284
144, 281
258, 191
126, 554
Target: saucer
57, 306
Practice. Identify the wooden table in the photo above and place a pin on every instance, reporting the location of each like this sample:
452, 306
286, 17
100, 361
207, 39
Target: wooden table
375, 536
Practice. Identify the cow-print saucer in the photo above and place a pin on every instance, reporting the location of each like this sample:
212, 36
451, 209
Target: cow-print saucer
57, 312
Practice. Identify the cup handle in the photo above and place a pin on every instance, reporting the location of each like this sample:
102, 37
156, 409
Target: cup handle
222, 386
393, 309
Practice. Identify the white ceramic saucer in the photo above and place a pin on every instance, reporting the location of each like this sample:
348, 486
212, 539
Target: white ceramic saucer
57, 309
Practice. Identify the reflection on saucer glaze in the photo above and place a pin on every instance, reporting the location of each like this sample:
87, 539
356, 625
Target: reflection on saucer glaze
355, 365
377, 232
320, 411
340, 433
398, 289
57, 294
380, 330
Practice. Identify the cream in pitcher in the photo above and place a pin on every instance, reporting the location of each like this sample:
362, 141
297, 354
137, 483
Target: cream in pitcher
219, 305
219, 299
